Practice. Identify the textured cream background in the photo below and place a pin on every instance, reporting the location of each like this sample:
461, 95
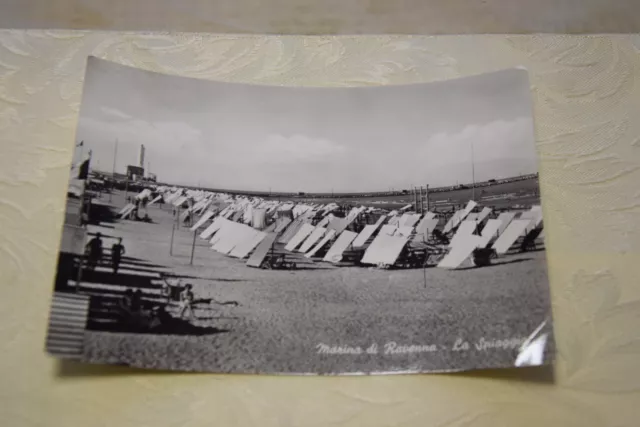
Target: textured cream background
328, 16
587, 106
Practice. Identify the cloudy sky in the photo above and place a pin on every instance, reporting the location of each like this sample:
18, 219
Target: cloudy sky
251, 137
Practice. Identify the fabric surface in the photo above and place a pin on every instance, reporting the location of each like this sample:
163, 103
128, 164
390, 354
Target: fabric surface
334, 254
328, 16
384, 249
587, 108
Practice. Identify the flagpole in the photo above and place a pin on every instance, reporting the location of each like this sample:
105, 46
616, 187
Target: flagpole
113, 170
85, 184
473, 173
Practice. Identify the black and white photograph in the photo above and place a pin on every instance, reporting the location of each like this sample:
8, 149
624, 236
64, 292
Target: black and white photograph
245, 228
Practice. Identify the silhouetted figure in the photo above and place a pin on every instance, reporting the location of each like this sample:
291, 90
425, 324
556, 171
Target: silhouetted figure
94, 251
171, 291
124, 306
186, 301
136, 301
117, 250
159, 317
127, 300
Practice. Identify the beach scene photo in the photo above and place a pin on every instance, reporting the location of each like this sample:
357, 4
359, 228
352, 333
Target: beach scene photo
241, 228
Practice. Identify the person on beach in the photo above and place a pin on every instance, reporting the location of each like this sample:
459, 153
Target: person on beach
117, 250
186, 301
136, 301
126, 302
171, 291
124, 307
94, 251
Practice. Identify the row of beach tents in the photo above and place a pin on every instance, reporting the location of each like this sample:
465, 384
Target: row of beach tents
249, 228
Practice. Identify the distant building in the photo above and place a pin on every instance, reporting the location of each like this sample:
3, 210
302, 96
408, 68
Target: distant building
135, 173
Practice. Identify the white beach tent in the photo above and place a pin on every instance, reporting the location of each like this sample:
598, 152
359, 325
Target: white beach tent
403, 218
291, 230
294, 227
505, 218
428, 227
384, 249
489, 231
203, 206
534, 215
394, 220
233, 234
422, 227
171, 197
212, 228
334, 254
459, 216
231, 211
459, 253
409, 220
244, 248
365, 234
313, 238
197, 205
516, 228
238, 234
157, 199
484, 213
327, 237
257, 257
179, 201
353, 214
281, 224
337, 223
300, 236
225, 227
204, 218
404, 231
325, 221
454, 219
223, 238
431, 225
466, 228
388, 229
381, 220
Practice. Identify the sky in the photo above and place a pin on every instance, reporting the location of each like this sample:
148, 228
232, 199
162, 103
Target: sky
254, 137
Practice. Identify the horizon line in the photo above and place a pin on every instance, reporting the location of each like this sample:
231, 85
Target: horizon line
328, 193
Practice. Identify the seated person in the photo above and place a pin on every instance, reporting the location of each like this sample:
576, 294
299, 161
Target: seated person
126, 302
279, 261
159, 317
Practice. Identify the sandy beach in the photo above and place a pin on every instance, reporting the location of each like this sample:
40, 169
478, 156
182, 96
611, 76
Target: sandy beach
321, 318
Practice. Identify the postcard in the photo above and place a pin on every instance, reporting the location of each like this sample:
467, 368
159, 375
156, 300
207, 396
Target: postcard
241, 228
